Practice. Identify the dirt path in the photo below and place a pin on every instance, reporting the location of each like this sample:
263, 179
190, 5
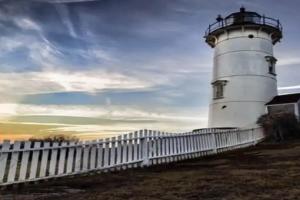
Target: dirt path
268, 171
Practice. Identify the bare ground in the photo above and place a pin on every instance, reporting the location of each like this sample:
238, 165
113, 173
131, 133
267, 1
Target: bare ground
267, 171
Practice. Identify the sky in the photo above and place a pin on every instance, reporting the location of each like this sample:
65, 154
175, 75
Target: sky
95, 68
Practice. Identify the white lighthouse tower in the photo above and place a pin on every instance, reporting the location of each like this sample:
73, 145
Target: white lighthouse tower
244, 76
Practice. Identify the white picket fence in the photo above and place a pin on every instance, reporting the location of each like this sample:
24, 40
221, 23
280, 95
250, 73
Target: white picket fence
32, 161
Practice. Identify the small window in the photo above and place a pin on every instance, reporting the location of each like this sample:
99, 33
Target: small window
271, 64
218, 89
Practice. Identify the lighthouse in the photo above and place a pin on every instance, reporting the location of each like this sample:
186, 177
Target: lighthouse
244, 74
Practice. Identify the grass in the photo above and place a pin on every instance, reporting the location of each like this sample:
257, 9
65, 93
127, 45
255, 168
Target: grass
267, 171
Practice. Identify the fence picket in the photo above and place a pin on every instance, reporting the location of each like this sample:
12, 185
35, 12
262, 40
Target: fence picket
113, 152
78, 160
130, 148
185, 139
14, 162
145, 149
163, 147
100, 154
85, 158
3, 159
53, 160
24, 161
106, 153
201, 144
171, 151
34, 161
62, 158
70, 160
177, 147
181, 150
168, 148
190, 147
192, 144
154, 147
124, 148
119, 152
206, 145
140, 145
197, 143
232, 139
135, 148
159, 150
150, 147
93, 155
44, 160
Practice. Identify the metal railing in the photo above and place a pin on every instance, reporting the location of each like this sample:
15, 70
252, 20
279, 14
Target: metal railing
255, 20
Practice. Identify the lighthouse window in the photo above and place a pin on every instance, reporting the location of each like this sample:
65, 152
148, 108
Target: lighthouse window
271, 64
218, 89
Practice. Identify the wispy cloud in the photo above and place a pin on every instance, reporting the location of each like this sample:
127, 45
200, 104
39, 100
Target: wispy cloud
109, 112
294, 87
66, 81
97, 121
65, 1
64, 13
26, 23
288, 61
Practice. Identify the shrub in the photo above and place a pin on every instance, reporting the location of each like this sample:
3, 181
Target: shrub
280, 126
55, 138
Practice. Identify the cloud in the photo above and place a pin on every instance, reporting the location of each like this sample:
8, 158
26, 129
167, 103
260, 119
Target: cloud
65, 1
289, 87
7, 110
26, 23
109, 112
98, 121
10, 44
64, 13
66, 81
288, 61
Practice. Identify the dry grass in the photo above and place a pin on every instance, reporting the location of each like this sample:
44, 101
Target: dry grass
268, 171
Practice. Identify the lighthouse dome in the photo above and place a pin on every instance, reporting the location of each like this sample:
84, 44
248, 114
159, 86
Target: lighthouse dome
243, 19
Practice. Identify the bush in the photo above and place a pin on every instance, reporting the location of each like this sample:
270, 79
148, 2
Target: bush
280, 126
55, 138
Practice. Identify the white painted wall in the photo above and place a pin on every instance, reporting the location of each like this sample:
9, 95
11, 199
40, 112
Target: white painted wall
241, 61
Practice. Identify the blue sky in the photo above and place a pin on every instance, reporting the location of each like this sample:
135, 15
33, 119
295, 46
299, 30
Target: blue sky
94, 68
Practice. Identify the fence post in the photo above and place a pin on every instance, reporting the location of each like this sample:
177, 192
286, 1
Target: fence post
214, 142
145, 154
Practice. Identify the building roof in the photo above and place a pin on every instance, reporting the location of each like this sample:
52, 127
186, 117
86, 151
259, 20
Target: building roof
287, 98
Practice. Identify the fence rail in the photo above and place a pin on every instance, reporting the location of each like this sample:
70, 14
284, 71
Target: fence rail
32, 161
